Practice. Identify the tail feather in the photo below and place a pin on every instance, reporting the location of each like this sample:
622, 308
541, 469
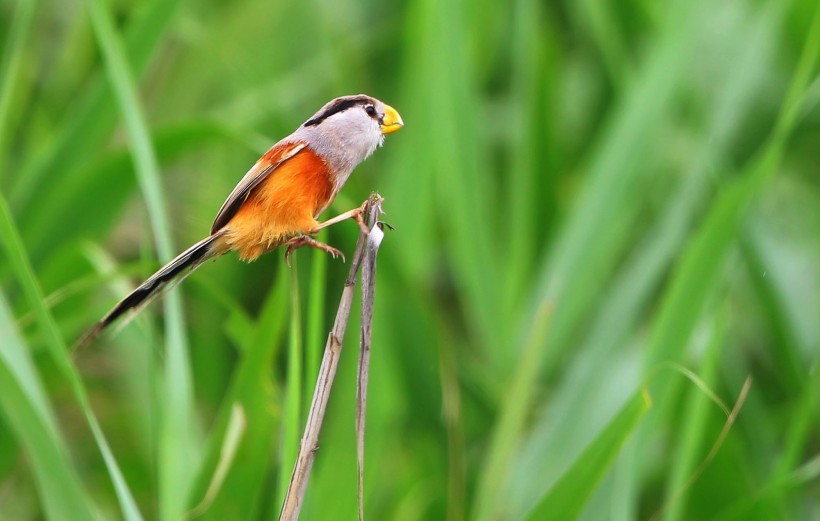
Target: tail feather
163, 280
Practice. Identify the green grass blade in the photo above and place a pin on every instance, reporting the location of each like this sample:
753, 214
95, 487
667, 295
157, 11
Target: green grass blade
508, 428
10, 66
252, 389
567, 498
455, 162
23, 400
604, 30
69, 194
596, 231
227, 451
57, 348
523, 197
695, 277
177, 442
695, 415
121, 77
785, 478
316, 323
91, 119
590, 378
292, 408
572, 276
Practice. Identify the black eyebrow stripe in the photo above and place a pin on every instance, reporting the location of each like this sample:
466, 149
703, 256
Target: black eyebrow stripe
340, 106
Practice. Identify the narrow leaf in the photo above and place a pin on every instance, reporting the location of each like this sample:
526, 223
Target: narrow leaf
568, 496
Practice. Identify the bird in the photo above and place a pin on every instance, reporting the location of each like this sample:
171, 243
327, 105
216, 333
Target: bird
278, 201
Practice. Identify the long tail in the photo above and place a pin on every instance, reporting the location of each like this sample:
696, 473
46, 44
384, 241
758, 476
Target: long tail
164, 279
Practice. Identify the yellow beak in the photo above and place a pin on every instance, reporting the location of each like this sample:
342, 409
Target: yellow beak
391, 121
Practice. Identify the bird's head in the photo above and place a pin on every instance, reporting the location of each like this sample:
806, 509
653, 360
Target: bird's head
348, 129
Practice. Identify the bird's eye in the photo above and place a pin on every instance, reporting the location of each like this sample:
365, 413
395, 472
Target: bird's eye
370, 109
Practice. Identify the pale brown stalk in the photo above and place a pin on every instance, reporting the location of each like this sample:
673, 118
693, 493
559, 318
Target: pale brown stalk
327, 372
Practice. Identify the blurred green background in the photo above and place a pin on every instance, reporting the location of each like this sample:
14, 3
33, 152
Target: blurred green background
596, 205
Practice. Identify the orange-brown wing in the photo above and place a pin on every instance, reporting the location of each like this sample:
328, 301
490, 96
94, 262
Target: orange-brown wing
263, 168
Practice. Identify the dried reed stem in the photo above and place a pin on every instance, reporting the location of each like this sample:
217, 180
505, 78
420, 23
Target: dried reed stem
327, 373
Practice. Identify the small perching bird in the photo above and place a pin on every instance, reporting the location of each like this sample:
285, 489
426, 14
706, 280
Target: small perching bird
279, 199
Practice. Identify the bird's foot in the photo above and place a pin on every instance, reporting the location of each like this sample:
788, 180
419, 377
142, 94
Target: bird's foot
304, 240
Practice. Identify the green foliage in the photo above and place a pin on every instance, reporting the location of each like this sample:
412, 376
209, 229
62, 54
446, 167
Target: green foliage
567, 497
584, 194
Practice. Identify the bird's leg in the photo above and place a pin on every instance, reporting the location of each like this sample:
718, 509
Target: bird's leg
306, 240
355, 213
303, 240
